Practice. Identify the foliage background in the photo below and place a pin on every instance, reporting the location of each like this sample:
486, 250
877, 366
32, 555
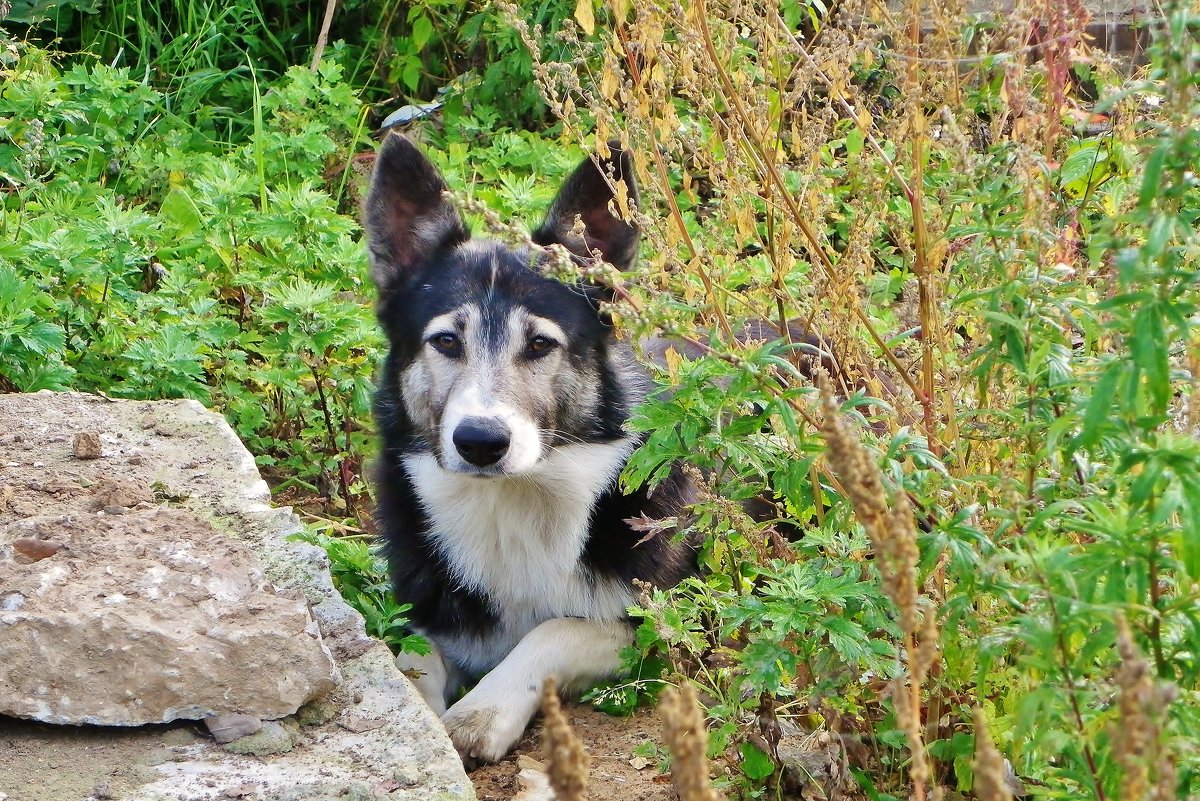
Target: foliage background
985, 230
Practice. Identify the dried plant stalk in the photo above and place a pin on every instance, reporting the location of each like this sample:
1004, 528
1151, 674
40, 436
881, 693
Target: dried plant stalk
1137, 739
687, 738
566, 760
989, 765
889, 522
891, 528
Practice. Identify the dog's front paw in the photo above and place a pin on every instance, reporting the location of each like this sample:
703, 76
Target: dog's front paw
483, 732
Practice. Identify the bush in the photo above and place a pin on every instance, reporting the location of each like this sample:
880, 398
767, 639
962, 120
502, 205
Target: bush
1005, 297
209, 58
144, 259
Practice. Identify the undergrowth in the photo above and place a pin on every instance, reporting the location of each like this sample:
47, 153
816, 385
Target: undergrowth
984, 231
209, 57
144, 254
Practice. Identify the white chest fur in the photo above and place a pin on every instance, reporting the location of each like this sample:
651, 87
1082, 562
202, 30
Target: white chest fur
519, 539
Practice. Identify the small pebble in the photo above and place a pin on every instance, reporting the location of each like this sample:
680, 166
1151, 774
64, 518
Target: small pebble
36, 549
227, 728
86, 445
358, 723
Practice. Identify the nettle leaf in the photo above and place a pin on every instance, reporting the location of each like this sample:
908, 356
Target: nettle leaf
1159, 235
1187, 538
1096, 413
1148, 346
422, 31
410, 73
756, 763
1145, 484
1152, 176
848, 639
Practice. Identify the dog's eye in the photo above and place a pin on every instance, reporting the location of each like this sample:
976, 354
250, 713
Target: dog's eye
540, 344
447, 344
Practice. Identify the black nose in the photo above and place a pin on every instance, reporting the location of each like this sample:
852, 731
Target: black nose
482, 441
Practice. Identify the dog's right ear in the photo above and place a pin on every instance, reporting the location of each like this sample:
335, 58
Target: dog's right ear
407, 219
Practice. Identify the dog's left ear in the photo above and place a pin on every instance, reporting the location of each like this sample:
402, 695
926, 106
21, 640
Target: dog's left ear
587, 195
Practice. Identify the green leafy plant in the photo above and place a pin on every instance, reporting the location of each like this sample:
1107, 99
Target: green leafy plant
1005, 301
164, 263
360, 575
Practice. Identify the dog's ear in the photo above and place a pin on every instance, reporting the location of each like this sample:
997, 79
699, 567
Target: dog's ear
407, 219
587, 195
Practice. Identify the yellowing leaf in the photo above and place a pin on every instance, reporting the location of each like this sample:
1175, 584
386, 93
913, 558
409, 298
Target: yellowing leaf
609, 83
673, 361
585, 16
864, 118
622, 198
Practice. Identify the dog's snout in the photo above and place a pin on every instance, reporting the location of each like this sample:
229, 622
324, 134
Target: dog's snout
482, 441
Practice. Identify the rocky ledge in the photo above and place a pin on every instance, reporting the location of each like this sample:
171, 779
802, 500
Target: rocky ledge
145, 579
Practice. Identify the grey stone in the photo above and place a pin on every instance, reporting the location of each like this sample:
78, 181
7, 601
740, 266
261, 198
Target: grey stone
124, 628
227, 728
146, 445
272, 737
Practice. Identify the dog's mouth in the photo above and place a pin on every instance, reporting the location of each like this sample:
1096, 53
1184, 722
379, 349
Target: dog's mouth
459, 468
454, 464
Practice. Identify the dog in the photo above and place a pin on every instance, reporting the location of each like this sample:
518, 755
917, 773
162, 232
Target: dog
502, 406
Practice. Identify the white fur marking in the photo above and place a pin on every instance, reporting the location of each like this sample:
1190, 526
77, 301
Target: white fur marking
519, 539
443, 323
473, 400
542, 326
490, 719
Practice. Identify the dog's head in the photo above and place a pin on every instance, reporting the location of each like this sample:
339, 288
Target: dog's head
494, 364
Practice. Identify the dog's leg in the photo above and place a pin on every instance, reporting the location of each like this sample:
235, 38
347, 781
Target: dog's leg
431, 675
489, 720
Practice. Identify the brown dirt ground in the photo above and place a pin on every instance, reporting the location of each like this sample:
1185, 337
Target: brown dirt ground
94, 762
610, 742
41, 762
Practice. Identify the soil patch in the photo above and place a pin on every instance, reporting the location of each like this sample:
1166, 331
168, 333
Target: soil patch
43, 762
615, 775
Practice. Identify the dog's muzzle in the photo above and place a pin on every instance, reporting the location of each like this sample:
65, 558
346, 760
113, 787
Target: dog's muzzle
482, 441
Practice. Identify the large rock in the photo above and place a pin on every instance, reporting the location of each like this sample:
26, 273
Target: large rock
147, 616
165, 496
